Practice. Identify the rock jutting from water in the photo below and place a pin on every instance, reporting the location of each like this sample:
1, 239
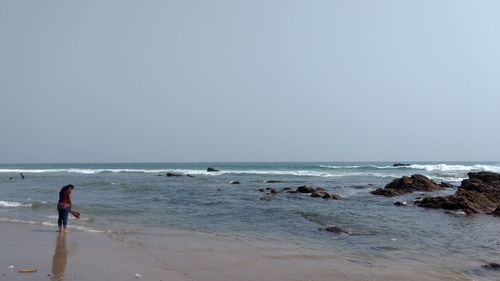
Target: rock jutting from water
173, 174
480, 193
408, 185
210, 169
316, 192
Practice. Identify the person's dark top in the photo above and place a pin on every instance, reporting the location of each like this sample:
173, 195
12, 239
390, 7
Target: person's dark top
64, 198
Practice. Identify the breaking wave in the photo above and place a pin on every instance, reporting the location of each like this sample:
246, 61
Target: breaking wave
425, 167
13, 204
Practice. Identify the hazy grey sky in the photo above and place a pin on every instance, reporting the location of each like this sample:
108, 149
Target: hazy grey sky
121, 81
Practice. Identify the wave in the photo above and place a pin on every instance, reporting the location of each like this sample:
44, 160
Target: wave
458, 168
13, 204
358, 167
425, 167
309, 173
45, 223
322, 171
81, 171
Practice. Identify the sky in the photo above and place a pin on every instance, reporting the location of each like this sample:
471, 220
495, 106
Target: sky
270, 80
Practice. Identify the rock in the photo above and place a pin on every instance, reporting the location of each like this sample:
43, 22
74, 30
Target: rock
418, 199
325, 195
172, 174
234, 182
137, 275
270, 190
320, 193
446, 185
335, 229
272, 181
399, 203
496, 212
316, 192
210, 169
305, 189
480, 193
408, 185
11, 267
492, 266
401, 164
335, 196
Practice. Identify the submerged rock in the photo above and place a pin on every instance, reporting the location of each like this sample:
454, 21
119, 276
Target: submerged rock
172, 174
492, 266
272, 181
336, 229
234, 182
210, 169
408, 185
478, 194
399, 203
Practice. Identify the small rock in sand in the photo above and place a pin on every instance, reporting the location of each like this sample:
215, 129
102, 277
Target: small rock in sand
137, 275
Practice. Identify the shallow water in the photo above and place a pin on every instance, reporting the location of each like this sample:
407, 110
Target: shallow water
123, 198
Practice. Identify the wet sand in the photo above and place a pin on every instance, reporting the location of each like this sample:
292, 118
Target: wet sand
183, 256
69, 256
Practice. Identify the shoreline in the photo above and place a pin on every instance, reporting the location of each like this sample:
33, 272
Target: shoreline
183, 256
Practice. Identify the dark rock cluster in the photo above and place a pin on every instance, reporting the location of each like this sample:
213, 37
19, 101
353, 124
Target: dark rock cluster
480, 193
407, 185
316, 192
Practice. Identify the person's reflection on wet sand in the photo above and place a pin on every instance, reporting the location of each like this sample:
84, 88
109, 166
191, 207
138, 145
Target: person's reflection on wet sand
60, 258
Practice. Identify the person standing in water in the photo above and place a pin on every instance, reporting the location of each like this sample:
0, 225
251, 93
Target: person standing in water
22, 176
64, 206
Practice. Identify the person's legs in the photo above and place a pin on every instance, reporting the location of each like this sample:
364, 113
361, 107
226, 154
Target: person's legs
60, 218
65, 217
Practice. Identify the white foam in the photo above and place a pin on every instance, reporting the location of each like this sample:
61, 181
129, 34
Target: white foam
13, 204
358, 167
458, 168
81, 171
313, 173
45, 223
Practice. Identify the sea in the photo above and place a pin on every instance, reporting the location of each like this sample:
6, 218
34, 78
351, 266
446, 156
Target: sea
139, 197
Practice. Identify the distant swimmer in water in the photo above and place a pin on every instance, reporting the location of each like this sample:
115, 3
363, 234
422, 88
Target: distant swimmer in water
22, 176
10, 178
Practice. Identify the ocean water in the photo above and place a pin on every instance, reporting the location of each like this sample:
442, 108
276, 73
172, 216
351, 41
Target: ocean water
133, 197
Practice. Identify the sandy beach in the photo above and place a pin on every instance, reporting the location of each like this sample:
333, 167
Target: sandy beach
179, 255
71, 256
